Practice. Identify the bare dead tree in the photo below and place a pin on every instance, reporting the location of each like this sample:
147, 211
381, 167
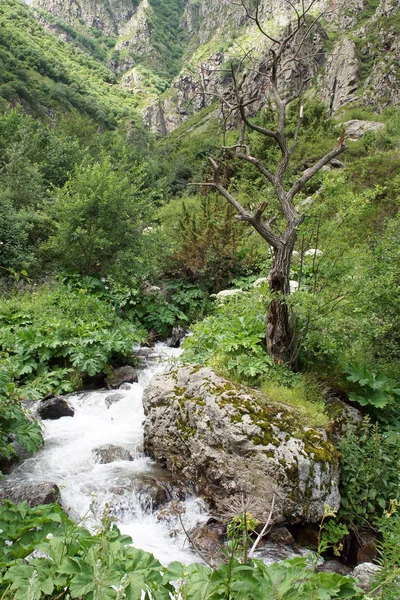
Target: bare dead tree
279, 336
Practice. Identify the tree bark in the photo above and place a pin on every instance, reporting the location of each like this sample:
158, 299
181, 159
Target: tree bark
277, 324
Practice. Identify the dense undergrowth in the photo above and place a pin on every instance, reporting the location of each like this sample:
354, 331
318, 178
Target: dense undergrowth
103, 246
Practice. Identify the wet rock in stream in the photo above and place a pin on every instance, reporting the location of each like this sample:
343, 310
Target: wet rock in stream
55, 408
121, 375
109, 453
33, 493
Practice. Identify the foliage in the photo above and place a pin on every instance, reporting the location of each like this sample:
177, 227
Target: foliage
15, 422
166, 36
376, 392
301, 391
370, 473
50, 334
105, 565
46, 73
331, 532
99, 213
207, 247
232, 339
387, 585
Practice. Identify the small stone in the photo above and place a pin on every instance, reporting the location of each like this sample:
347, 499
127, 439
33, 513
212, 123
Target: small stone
178, 335
33, 493
125, 386
334, 566
281, 535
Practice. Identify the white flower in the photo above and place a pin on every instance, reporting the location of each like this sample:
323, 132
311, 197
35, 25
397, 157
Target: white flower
312, 252
225, 293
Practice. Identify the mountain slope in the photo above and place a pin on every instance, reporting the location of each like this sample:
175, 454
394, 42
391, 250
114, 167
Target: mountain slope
47, 74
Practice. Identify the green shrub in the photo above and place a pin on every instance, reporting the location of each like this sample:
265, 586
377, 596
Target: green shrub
77, 564
232, 340
15, 423
370, 473
52, 333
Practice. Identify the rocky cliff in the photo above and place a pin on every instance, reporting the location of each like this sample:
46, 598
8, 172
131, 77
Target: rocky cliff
175, 54
106, 15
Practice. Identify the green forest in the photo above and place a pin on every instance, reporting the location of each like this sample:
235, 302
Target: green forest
106, 244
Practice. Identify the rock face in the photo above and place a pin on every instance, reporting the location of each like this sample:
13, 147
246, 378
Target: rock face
55, 408
341, 79
362, 66
231, 443
105, 16
355, 129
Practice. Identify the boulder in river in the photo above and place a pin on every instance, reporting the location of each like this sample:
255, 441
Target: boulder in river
109, 453
55, 408
232, 442
113, 399
121, 375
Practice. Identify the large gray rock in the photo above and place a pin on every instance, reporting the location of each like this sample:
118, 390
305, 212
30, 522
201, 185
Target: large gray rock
355, 129
231, 442
33, 493
341, 79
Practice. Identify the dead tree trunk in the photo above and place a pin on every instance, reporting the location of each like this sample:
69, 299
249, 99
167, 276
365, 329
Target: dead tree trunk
279, 337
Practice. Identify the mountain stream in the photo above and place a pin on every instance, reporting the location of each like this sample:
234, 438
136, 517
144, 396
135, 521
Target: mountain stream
88, 487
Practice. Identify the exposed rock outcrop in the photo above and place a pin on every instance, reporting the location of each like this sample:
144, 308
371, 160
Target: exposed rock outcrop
135, 34
108, 16
229, 442
341, 79
355, 129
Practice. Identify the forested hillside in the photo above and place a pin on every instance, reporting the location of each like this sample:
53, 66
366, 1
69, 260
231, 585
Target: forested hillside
134, 188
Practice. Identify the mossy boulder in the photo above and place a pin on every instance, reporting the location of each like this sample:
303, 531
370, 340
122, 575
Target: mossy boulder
232, 443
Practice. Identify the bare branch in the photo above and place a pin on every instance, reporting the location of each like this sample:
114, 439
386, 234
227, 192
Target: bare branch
300, 183
264, 530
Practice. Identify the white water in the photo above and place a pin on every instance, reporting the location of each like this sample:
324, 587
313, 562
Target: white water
86, 487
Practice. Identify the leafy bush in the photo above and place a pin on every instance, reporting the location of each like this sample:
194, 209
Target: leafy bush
77, 564
207, 245
233, 338
51, 334
370, 473
376, 392
15, 423
99, 214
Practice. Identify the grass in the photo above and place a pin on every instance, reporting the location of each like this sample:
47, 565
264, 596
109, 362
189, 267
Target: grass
307, 396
